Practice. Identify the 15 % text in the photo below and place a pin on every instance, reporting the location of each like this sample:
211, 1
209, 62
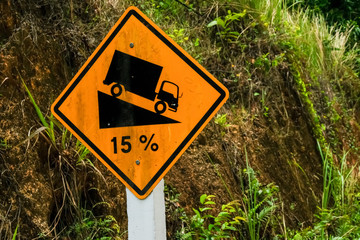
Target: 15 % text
126, 143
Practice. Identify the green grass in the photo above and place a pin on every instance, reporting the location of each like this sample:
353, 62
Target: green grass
49, 126
256, 216
339, 214
253, 216
310, 34
88, 227
320, 63
260, 203
327, 177
15, 232
220, 175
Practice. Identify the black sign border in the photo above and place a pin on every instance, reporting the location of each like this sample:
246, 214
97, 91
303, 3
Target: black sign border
134, 13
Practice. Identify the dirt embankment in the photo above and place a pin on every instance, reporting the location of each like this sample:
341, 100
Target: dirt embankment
42, 186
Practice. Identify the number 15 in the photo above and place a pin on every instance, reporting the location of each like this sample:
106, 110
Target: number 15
124, 142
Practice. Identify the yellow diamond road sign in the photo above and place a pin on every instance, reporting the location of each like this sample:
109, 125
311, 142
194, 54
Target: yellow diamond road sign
138, 102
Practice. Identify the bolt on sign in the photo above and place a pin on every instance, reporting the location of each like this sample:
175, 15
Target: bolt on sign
138, 102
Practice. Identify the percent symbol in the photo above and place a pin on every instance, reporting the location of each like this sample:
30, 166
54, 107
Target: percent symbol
154, 146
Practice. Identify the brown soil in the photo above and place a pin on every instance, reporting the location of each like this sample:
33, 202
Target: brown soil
36, 178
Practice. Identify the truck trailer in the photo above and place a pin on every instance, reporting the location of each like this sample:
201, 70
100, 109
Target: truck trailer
129, 73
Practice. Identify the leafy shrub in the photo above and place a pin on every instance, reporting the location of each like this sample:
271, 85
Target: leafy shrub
340, 217
89, 227
251, 217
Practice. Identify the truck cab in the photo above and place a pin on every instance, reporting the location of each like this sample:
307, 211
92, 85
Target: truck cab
168, 96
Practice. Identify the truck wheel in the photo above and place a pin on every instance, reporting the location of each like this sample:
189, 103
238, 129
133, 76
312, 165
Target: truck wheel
160, 107
116, 90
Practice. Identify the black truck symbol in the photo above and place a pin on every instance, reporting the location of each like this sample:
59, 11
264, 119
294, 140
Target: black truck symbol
141, 77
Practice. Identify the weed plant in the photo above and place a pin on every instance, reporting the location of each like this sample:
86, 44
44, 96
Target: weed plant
253, 217
260, 203
339, 214
89, 227
69, 209
48, 126
320, 62
303, 38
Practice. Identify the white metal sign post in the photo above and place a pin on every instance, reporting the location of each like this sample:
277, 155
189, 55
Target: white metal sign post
146, 218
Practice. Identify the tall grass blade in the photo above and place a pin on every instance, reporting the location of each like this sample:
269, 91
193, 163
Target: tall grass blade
15, 233
49, 128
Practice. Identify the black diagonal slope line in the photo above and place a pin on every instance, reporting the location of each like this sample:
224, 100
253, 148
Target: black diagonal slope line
114, 112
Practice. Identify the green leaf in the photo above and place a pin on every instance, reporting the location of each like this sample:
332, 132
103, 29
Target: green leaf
203, 198
238, 219
224, 214
187, 235
196, 43
231, 228
208, 216
105, 238
204, 209
235, 34
220, 22
213, 23
211, 226
197, 212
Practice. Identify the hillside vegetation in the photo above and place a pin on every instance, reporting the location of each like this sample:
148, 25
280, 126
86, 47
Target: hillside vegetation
279, 160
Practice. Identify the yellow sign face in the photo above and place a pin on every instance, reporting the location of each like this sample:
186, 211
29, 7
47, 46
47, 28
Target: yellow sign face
138, 102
